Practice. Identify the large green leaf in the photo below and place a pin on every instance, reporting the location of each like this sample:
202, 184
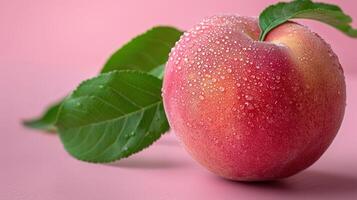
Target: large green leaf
330, 14
145, 52
112, 116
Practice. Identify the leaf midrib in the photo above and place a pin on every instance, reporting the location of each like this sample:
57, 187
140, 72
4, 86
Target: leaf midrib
117, 118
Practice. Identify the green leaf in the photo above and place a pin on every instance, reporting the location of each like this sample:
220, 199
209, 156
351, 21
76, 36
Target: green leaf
46, 121
145, 52
112, 116
330, 14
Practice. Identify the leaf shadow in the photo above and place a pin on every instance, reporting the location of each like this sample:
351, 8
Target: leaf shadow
147, 163
168, 142
159, 156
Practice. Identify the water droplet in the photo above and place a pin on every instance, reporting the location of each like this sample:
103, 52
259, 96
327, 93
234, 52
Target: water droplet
124, 148
299, 106
249, 106
221, 89
248, 97
201, 97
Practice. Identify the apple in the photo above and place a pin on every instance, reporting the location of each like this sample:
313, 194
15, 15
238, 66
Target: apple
252, 110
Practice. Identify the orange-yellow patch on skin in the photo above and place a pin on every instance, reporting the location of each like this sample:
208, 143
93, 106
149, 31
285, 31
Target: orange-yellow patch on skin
315, 60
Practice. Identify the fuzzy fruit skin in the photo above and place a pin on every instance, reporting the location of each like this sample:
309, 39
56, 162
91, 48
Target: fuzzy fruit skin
250, 110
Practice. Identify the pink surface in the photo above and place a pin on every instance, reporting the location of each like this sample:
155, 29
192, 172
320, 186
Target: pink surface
47, 47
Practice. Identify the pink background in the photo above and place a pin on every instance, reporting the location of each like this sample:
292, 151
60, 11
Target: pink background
48, 47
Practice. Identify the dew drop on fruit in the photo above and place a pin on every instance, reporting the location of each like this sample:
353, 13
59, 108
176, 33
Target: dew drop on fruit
248, 97
249, 106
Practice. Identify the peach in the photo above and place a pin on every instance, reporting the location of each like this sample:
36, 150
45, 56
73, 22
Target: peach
249, 110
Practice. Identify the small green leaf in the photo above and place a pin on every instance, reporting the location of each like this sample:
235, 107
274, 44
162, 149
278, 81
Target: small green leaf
330, 14
46, 121
112, 116
145, 52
